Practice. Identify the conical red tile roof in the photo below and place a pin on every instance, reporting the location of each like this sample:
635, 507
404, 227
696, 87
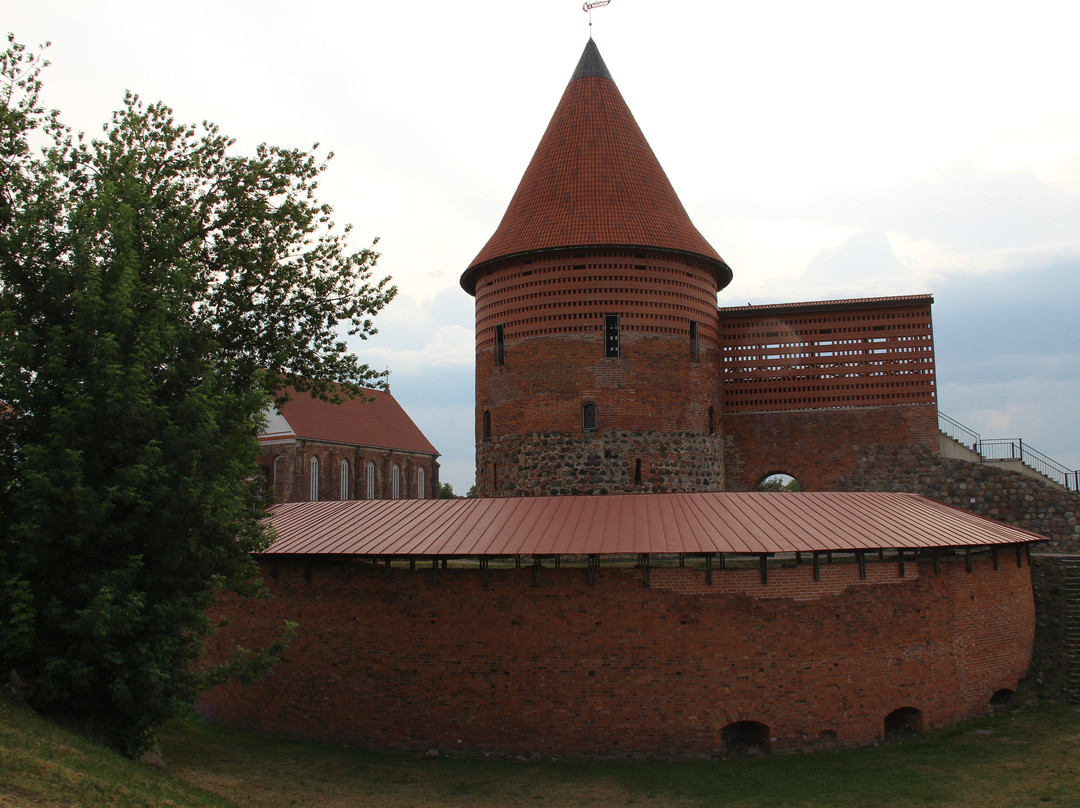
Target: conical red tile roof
594, 181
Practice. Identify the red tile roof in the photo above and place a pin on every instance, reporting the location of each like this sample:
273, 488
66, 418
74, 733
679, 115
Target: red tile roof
755, 522
594, 181
380, 422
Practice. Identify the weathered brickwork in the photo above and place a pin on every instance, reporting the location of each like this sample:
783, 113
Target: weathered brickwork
288, 467
818, 447
394, 659
544, 352
558, 464
984, 489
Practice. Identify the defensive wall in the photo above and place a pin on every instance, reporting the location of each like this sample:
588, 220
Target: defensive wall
508, 661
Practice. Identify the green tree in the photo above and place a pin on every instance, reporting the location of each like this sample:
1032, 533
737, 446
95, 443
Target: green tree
157, 291
446, 491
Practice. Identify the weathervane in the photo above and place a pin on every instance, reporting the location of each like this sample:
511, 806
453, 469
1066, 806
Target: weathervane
589, 6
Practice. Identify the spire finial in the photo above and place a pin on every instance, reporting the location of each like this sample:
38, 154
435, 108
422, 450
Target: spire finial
589, 6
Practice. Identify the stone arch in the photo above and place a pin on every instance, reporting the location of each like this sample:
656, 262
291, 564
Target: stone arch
746, 738
1002, 697
903, 721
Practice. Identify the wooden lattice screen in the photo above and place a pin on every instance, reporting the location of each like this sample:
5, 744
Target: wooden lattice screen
836, 353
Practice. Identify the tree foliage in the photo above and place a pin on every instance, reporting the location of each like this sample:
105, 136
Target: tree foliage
157, 292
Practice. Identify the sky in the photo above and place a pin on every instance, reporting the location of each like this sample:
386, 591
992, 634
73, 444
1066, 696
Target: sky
829, 149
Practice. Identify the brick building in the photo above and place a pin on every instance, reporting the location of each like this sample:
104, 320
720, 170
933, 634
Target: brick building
683, 613
361, 448
603, 364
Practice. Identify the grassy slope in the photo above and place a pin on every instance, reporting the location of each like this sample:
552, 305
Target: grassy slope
1027, 757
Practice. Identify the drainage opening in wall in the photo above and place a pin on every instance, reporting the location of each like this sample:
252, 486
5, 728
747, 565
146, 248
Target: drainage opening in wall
745, 738
903, 721
1002, 697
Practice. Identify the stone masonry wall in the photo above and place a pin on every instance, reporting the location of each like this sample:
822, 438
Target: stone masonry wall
559, 464
983, 489
476, 663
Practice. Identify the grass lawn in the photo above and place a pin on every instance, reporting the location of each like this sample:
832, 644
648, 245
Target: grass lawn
1025, 757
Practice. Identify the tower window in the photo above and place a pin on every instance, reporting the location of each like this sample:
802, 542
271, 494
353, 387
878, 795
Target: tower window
588, 417
500, 344
712, 421
637, 471
487, 425
611, 335
693, 341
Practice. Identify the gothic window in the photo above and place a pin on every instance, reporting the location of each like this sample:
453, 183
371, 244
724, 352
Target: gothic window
420, 483
396, 478
370, 480
487, 425
693, 341
313, 487
611, 335
588, 417
277, 482
344, 479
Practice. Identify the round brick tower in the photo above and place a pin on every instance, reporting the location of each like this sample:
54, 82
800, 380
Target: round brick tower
597, 361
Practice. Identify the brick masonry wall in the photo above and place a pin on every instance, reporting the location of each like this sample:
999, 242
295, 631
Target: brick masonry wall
288, 472
817, 447
396, 660
983, 489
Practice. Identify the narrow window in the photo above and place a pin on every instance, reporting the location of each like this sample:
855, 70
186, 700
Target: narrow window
611, 335
588, 417
277, 482
420, 483
313, 486
494, 477
370, 480
712, 421
487, 425
637, 471
344, 479
693, 341
396, 485
500, 344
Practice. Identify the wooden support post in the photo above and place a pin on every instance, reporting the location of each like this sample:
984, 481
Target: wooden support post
901, 572
386, 568
860, 557
723, 562
763, 563
412, 565
798, 557
996, 556
828, 556
435, 570
485, 575
708, 570
682, 560
817, 566
937, 562
881, 554
537, 566
643, 562
967, 559
1019, 556
594, 562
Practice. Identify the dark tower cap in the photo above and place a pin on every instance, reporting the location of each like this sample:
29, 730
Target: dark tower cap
594, 182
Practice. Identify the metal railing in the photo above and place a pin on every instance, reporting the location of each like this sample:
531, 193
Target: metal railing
958, 432
1000, 449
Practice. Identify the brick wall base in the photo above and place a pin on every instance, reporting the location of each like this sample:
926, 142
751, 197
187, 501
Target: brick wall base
502, 663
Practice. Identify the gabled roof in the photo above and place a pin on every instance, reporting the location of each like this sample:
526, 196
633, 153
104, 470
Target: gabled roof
379, 422
594, 181
754, 522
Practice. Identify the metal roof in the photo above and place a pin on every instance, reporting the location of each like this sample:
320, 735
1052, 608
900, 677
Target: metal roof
809, 305
750, 522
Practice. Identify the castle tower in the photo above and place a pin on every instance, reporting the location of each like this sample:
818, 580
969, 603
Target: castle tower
597, 361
